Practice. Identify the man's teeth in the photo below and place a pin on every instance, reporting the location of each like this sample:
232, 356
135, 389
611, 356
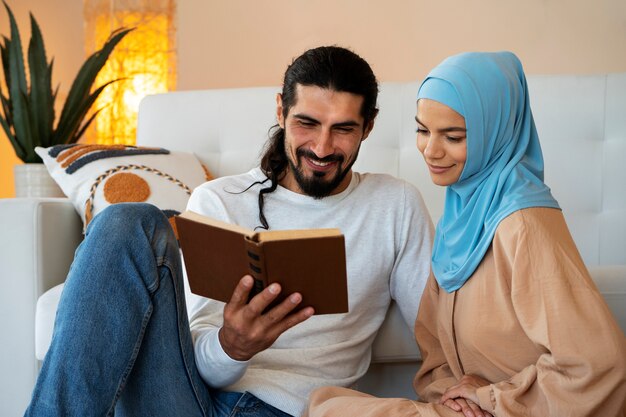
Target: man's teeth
319, 163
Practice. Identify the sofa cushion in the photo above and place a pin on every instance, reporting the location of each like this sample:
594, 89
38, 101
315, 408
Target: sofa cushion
611, 282
44, 319
96, 176
394, 342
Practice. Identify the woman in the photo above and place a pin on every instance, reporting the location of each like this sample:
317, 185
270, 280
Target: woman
510, 323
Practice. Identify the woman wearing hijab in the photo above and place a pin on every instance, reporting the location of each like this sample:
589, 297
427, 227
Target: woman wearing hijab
510, 323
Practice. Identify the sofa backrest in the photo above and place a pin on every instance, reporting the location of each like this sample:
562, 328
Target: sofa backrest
581, 122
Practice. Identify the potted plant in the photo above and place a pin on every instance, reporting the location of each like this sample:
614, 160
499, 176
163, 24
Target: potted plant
28, 111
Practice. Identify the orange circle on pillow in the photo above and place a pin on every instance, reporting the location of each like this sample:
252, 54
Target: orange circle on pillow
125, 188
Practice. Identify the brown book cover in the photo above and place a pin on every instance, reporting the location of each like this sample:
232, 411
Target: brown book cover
309, 261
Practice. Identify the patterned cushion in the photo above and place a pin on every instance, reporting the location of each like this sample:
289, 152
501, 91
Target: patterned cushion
96, 176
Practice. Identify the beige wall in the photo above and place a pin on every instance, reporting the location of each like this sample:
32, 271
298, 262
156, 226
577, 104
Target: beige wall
238, 43
246, 43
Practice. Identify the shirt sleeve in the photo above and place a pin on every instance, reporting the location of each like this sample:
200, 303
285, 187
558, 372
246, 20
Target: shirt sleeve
216, 368
414, 244
434, 376
582, 369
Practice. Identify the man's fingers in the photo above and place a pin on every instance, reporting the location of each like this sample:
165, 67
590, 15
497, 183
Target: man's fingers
259, 302
295, 318
277, 328
281, 317
241, 292
279, 312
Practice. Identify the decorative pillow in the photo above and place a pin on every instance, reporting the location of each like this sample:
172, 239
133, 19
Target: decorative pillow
96, 176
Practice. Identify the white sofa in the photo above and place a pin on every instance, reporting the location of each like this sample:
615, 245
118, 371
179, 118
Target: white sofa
582, 126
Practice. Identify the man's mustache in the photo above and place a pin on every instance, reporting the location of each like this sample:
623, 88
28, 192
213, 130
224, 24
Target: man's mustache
309, 154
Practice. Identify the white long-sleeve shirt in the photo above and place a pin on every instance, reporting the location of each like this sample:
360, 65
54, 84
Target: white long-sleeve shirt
388, 235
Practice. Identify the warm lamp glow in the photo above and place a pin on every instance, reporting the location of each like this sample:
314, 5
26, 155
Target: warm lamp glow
144, 62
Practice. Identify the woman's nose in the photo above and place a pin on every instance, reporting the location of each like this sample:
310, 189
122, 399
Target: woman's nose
433, 148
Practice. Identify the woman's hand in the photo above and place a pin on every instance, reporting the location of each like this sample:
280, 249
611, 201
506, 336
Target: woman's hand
462, 396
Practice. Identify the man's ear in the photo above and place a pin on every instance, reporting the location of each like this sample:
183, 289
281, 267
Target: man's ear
279, 110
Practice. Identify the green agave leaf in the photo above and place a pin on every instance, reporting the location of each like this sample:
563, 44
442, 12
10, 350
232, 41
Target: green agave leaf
78, 100
15, 50
19, 149
6, 106
56, 90
4, 53
85, 125
6, 102
74, 101
28, 113
42, 106
29, 144
53, 97
73, 124
17, 86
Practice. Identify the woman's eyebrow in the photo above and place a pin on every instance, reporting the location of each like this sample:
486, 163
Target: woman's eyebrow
445, 129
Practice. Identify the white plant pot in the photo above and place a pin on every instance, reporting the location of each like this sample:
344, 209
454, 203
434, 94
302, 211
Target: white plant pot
34, 180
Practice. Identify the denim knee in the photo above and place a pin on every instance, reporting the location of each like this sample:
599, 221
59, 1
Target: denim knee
128, 218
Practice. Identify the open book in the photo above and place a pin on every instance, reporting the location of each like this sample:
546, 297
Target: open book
311, 261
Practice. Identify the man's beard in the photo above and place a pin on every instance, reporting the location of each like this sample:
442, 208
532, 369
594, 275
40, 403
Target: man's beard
316, 186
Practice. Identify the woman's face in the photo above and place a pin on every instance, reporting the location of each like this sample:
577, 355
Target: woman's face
441, 138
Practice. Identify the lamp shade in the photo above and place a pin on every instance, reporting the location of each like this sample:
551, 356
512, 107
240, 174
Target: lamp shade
144, 62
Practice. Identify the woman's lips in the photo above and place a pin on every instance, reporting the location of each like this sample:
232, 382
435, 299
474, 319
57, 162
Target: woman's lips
438, 169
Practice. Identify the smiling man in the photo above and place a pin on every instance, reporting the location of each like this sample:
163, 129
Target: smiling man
122, 341
323, 134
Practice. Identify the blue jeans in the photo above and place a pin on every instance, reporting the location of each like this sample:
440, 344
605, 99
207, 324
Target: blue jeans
121, 344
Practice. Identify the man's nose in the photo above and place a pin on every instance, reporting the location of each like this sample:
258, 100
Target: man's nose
323, 145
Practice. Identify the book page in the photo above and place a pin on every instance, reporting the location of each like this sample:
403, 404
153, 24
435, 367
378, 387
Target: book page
217, 223
271, 235
264, 236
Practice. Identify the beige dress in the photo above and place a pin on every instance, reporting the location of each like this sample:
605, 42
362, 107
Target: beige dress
530, 320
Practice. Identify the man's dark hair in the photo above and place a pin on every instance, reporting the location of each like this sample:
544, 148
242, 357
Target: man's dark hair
329, 67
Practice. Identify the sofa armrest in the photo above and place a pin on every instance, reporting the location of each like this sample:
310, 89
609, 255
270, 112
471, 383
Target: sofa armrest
38, 238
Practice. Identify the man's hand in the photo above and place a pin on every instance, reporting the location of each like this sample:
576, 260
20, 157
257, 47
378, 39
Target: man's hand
246, 330
462, 396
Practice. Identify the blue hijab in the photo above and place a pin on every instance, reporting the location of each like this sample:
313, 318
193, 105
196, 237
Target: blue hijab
503, 172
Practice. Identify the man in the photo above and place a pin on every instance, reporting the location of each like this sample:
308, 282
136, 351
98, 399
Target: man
122, 342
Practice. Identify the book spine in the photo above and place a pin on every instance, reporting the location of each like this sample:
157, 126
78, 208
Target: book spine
256, 266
